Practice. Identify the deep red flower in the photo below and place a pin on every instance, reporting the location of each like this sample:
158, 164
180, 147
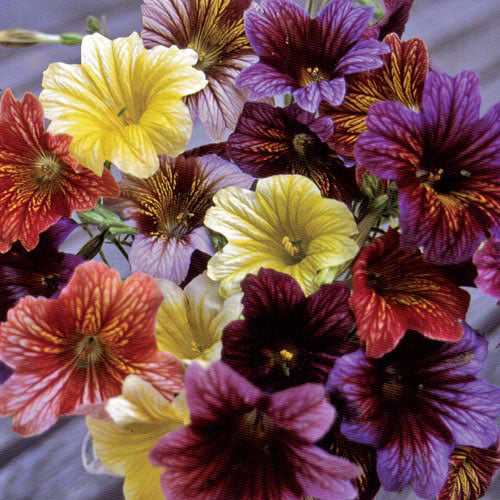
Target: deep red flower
77, 349
40, 182
395, 290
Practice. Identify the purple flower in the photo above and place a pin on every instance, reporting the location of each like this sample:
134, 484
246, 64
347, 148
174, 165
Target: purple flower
416, 404
445, 161
215, 30
305, 57
287, 339
243, 443
269, 141
396, 16
168, 210
42, 272
487, 261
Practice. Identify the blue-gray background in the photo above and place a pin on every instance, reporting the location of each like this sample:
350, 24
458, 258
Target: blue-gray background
460, 34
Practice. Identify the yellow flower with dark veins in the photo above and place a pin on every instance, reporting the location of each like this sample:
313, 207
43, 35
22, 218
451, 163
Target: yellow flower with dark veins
284, 225
139, 418
123, 103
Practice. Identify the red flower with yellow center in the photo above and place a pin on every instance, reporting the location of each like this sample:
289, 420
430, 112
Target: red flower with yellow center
395, 290
40, 182
77, 349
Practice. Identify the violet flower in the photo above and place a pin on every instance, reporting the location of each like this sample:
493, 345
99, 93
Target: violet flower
416, 404
306, 57
445, 161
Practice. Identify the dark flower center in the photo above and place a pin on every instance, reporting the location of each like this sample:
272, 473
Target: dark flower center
283, 356
258, 425
89, 351
441, 181
304, 143
392, 386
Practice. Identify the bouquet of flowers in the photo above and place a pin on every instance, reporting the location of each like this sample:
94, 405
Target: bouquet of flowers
293, 323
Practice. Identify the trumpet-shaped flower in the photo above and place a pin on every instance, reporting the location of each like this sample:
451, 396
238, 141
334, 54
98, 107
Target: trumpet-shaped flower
305, 57
168, 209
40, 182
246, 444
401, 79
123, 103
140, 417
269, 141
284, 225
77, 349
445, 162
190, 321
395, 290
287, 339
416, 404
214, 28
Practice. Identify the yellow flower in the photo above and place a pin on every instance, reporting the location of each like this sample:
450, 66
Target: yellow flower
139, 418
123, 103
190, 321
284, 225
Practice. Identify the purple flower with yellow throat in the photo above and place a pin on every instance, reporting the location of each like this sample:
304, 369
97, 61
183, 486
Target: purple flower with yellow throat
445, 161
416, 404
308, 58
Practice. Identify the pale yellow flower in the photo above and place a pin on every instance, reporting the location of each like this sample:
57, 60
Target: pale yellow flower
139, 418
123, 103
284, 225
190, 321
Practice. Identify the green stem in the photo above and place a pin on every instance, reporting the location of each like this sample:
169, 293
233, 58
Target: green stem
120, 247
309, 7
368, 222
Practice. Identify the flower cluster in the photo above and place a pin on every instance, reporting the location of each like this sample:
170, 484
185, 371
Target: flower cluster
294, 320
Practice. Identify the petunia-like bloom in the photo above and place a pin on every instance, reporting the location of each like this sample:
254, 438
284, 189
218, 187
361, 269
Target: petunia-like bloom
77, 349
284, 225
168, 209
416, 404
308, 58
401, 79
244, 443
287, 339
40, 182
269, 141
471, 472
444, 161
395, 290
139, 418
190, 321
487, 262
214, 29
123, 103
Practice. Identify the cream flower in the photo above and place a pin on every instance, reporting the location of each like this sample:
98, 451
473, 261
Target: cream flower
190, 321
139, 418
284, 225
123, 103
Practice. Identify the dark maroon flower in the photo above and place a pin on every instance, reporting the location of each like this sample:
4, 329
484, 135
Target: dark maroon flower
487, 261
305, 57
287, 339
444, 160
42, 272
246, 444
269, 141
416, 404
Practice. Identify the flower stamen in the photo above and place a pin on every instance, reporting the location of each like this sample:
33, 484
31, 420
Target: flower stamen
292, 247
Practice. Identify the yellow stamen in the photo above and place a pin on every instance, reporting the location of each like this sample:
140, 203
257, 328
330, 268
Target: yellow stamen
287, 355
184, 216
291, 246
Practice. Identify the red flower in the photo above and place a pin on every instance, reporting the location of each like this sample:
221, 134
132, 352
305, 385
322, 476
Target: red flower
395, 290
77, 349
40, 182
